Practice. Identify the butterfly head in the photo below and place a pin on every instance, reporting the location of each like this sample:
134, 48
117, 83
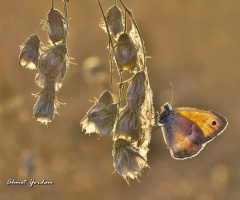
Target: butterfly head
166, 111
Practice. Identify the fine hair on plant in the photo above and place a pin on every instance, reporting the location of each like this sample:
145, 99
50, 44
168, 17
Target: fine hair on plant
131, 124
50, 60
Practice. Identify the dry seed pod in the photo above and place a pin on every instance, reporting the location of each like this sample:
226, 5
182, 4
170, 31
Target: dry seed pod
114, 20
44, 108
101, 117
57, 26
42, 80
125, 53
29, 52
136, 89
53, 65
127, 161
129, 124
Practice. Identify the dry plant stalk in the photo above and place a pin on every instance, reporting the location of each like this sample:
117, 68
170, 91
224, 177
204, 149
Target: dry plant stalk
52, 61
132, 125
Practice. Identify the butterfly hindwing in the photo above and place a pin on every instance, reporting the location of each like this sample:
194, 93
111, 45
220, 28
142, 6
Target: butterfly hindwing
183, 137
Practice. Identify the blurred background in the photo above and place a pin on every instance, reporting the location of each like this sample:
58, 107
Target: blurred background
193, 44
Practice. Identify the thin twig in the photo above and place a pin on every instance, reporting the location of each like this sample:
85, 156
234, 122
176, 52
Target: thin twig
125, 28
135, 24
52, 3
121, 92
111, 42
66, 18
171, 100
108, 32
111, 63
115, 2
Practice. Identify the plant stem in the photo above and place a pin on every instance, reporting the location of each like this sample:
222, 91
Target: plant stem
111, 43
111, 63
125, 28
105, 20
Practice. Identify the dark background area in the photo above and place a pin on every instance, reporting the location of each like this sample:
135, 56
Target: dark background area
193, 44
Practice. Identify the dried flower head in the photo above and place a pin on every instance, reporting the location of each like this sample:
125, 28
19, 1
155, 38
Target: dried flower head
127, 161
57, 26
29, 52
129, 124
101, 117
114, 20
136, 89
44, 108
42, 80
53, 66
125, 53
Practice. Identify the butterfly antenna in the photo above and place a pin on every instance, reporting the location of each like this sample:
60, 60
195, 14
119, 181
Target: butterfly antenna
171, 100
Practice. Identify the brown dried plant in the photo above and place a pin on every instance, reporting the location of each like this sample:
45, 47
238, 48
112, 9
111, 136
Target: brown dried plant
131, 124
51, 60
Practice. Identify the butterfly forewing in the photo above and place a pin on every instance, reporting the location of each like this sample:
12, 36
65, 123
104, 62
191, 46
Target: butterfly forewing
211, 123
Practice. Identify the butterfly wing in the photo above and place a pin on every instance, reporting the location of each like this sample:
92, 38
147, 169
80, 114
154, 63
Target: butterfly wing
188, 129
211, 123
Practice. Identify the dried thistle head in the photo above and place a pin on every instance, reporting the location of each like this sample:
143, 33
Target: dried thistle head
29, 52
129, 124
114, 20
53, 66
101, 117
57, 26
125, 53
44, 79
44, 109
126, 160
136, 89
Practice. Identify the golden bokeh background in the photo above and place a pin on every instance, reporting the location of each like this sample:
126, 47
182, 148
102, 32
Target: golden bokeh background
194, 44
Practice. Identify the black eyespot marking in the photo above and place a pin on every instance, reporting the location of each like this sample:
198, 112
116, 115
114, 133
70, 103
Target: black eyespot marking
214, 123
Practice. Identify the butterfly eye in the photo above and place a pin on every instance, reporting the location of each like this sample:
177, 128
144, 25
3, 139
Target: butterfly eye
214, 123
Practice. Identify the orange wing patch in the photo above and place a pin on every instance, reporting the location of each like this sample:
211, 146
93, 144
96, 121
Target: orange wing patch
210, 122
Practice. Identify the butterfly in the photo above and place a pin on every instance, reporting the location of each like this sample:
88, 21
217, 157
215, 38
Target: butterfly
187, 130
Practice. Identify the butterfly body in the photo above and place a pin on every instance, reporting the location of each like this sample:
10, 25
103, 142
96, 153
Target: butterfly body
187, 130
